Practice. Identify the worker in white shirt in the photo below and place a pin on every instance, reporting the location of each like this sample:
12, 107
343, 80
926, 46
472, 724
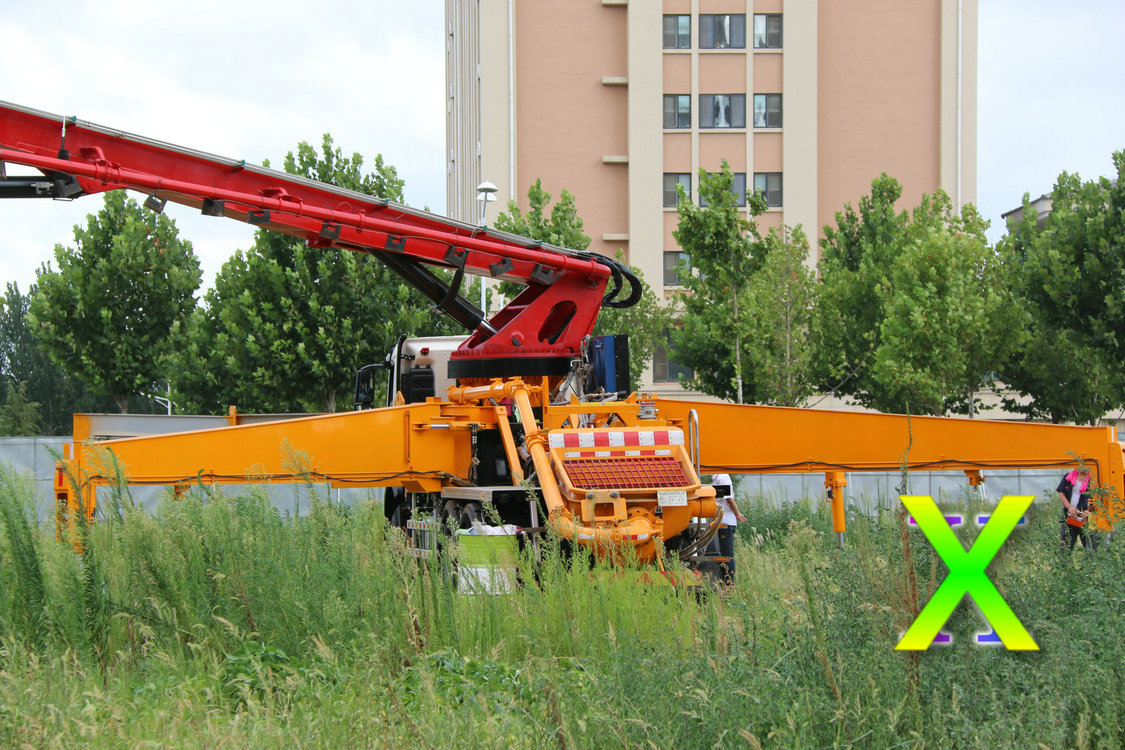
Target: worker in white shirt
724, 499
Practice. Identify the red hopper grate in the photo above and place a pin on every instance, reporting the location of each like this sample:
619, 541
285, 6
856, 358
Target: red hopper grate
625, 473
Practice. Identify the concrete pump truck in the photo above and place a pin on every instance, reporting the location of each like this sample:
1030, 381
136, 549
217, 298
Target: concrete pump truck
509, 409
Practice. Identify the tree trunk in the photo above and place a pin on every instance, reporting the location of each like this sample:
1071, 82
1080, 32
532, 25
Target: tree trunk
737, 348
789, 400
122, 403
330, 401
738, 367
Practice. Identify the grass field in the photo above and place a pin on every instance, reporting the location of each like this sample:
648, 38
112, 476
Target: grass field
224, 623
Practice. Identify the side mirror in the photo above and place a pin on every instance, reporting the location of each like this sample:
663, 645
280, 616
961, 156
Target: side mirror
365, 386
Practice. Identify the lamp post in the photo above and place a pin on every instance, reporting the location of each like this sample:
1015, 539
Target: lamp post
167, 403
486, 192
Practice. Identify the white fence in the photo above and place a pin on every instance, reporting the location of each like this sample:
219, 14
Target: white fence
34, 458
872, 491
869, 491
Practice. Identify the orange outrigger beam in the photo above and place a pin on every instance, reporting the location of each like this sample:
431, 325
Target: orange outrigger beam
598, 464
774, 440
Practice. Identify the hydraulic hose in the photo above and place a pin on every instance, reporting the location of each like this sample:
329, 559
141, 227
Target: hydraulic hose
702, 542
618, 272
636, 530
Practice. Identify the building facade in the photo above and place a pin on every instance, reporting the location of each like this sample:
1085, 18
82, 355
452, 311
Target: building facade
619, 102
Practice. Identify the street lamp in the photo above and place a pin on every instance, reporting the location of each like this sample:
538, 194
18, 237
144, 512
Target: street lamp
486, 192
167, 403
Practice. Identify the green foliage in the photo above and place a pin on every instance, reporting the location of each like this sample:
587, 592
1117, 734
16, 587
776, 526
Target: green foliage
723, 246
645, 323
18, 415
781, 299
220, 621
856, 256
563, 227
107, 315
22, 595
1071, 274
27, 366
951, 321
744, 316
332, 167
286, 326
913, 313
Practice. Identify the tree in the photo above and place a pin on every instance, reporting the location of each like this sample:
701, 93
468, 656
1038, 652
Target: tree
726, 251
562, 228
286, 326
781, 298
1071, 274
19, 416
23, 363
950, 323
855, 257
108, 313
913, 315
646, 322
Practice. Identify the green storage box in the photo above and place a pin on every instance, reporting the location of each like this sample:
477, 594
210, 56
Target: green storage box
486, 564
487, 550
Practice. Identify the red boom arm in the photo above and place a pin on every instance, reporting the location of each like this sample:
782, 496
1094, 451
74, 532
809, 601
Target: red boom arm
538, 333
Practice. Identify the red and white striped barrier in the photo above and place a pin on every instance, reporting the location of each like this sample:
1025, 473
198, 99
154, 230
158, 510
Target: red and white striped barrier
600, 443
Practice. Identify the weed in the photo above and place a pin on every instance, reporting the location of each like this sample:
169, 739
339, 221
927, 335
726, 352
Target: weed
218, 620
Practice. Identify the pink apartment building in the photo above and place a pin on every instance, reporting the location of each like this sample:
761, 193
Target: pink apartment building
620, 101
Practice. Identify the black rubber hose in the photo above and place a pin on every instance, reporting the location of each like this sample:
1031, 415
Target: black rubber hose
620, 271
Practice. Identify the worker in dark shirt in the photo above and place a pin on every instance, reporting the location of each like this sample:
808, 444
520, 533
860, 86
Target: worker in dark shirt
1076, 509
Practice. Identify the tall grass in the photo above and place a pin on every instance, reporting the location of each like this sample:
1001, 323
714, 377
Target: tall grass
223, 621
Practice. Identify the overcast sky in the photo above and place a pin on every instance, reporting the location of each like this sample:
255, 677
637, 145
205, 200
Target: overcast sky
1050, 99
250, 80
247, 80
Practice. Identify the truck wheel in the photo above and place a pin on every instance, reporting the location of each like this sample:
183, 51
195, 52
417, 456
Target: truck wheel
469, 514
451, 510
392, 501
400, 515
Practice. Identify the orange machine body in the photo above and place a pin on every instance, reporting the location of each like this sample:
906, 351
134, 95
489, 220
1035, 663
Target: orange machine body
611, 474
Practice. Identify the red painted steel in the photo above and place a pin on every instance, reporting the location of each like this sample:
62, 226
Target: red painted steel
640, 472
549, 319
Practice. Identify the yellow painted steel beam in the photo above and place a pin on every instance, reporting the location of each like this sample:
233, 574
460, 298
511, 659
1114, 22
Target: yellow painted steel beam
419, 446
742, 439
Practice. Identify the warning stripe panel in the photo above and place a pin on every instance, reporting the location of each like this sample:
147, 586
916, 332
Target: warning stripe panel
614, 438
625, 473
593, 452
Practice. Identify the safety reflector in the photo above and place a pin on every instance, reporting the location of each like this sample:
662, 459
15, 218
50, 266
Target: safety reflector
626, 473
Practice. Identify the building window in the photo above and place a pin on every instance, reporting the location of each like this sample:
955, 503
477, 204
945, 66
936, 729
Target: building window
722, 31
677, 32
769, 185
767, 110
671, 181
672, 263
722, 110
767, 31
677, 111
667, 370
738, 187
